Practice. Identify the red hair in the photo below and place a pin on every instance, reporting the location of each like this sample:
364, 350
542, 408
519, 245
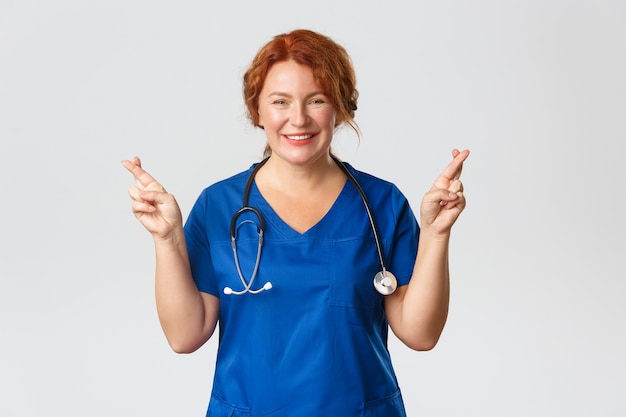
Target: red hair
329, 61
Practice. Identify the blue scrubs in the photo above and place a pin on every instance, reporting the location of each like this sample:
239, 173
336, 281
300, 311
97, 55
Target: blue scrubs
316, 343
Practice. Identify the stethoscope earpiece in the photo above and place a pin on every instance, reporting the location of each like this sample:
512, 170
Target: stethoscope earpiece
265, 287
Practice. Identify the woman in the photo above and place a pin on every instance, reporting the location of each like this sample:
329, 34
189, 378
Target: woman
303, 332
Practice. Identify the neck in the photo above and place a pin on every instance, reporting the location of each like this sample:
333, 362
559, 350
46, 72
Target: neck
293, 179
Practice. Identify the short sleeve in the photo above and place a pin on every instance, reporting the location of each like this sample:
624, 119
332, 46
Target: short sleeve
405, 239
198, 247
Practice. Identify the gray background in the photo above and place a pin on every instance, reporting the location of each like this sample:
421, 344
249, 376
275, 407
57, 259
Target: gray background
536, 89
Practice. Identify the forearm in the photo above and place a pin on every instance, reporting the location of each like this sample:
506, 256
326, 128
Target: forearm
422, 309
417, 312
180, 306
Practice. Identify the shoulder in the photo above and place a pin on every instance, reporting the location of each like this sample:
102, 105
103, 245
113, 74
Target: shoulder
226, 192
233, 184
229, 182
382, 195
372, 183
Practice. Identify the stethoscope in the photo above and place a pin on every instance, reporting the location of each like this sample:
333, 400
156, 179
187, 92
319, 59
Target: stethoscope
384, 281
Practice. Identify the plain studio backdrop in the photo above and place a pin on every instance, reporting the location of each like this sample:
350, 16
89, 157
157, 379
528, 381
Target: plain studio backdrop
536, 89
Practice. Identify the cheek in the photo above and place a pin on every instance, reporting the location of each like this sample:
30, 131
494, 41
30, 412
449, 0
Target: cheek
264, 117
267, 117
333, 120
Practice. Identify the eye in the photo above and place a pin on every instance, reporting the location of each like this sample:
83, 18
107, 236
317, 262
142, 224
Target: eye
279, 102
318, 100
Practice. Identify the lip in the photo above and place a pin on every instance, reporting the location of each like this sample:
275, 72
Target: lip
299, 138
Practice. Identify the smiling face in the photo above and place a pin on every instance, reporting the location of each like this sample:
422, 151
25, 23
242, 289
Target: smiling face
298, 118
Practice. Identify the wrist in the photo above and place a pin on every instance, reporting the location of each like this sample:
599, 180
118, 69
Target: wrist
432, 235
173, 238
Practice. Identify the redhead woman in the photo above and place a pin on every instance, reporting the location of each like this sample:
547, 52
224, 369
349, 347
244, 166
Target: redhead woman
305, 261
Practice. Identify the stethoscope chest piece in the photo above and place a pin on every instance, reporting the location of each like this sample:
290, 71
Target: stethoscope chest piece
385, 282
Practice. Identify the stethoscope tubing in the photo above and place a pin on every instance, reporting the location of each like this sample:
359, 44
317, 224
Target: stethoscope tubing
384, 281
379, 245
233, 237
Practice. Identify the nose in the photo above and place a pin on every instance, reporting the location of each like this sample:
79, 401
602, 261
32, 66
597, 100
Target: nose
298, 116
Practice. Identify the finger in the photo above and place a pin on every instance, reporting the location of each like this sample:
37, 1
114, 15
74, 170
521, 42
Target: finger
150, 201
135, 194
454, 168
448, 200
156, 197
153, 197
440, 196
458, 204
140, 207
129, 165
456, 186
135, 161
142, 178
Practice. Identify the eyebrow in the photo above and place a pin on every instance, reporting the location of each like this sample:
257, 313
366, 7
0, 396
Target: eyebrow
280, 93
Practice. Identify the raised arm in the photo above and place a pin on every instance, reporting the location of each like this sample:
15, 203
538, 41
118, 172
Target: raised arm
417, 312
188, 317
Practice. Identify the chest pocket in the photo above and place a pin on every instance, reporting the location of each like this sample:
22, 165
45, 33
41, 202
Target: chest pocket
355, 262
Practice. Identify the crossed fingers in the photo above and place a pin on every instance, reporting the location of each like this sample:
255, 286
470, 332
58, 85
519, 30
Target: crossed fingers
449, 179
144, 181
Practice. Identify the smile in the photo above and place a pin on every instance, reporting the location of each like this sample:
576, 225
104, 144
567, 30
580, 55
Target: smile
299, 137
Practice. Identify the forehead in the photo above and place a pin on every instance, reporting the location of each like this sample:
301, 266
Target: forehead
289, 75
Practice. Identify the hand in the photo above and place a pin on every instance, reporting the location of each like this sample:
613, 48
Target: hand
154, 207
444, 202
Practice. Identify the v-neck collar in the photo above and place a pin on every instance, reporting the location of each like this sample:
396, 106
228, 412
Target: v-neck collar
273, 220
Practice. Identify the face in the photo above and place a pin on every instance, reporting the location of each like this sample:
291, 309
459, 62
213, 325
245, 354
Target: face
298, 118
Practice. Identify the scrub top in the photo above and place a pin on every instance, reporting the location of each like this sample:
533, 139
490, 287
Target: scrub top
316, 343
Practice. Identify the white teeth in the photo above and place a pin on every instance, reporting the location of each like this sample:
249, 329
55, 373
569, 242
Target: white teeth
300, 137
